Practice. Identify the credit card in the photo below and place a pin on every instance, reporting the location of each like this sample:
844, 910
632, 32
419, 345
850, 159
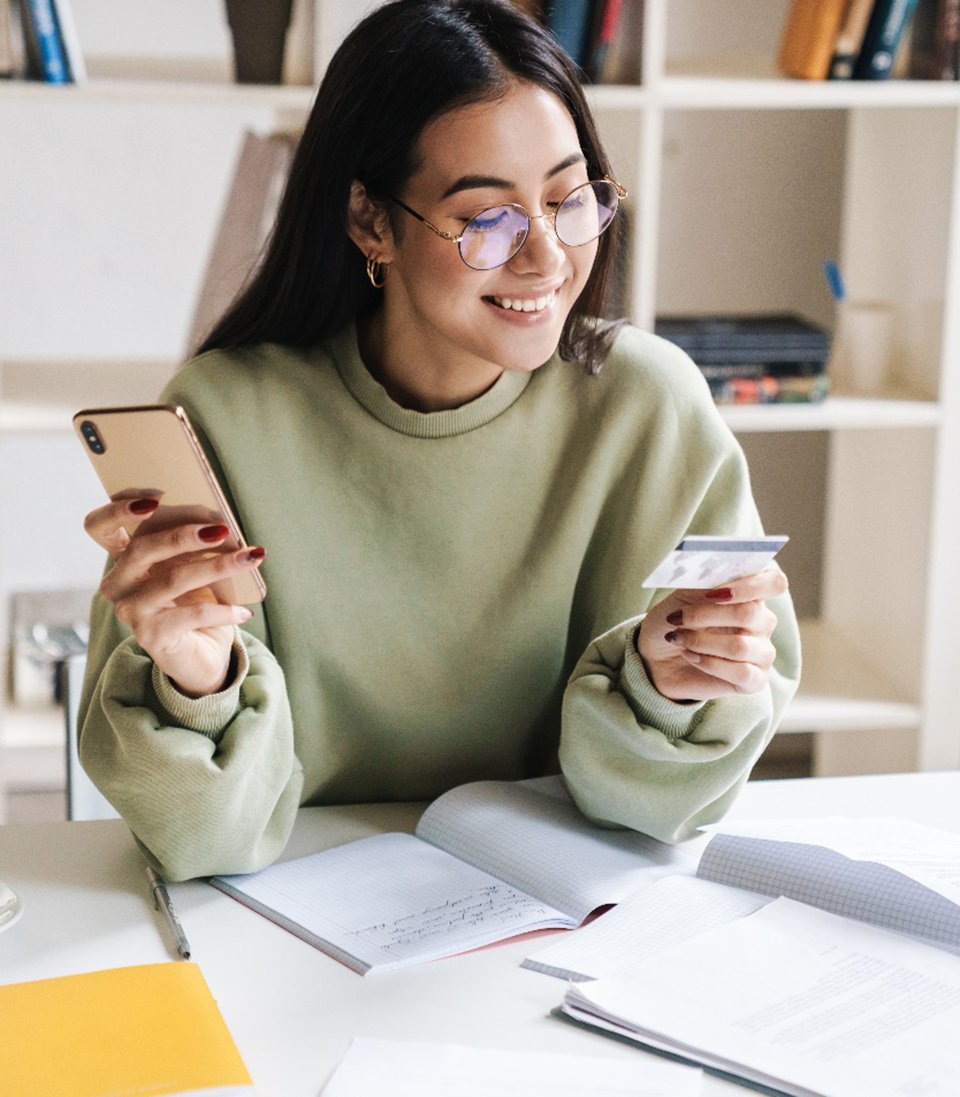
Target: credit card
701, 563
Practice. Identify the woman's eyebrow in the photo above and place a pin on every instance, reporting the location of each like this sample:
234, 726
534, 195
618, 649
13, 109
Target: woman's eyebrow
472, 182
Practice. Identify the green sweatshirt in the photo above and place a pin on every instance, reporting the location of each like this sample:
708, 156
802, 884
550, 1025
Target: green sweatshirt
452, 596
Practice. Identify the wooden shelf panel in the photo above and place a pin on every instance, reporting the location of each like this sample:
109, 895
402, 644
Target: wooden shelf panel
23, 727
26, 388
834, 413
754, 85
158, 90
839, 692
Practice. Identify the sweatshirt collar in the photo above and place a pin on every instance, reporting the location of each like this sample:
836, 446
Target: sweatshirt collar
433, 424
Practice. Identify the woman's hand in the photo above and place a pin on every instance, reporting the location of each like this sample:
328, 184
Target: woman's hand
701, 644
161, 587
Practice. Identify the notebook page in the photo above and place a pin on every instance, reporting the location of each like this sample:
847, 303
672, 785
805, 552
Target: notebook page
827, 879
372, 1068
668, 912
540, 842
389, 900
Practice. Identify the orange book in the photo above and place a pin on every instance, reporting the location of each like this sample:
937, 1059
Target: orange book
810, 36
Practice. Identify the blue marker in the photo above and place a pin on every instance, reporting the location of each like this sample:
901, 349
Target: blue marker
834, 280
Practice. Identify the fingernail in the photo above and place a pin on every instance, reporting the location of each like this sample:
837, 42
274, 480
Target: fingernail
672, 637
244, 614
212, 533
143, 506
691, 656
675, 618
720, 595
256, 553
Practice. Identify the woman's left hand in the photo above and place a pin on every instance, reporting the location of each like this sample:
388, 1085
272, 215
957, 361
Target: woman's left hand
701, 644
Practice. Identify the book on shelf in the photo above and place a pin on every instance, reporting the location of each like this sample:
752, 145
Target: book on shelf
489, 861
603, 33
767, 358
766, 389
67, 25
148, 1029
846, 49
8, 57
603, 37
621, 54
809, 36
44, 46
886, 872
934, 49
721, 333
569, 21
248, 213
799, 958
882, 39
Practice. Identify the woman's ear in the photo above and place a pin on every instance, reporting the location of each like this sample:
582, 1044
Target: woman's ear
368, 225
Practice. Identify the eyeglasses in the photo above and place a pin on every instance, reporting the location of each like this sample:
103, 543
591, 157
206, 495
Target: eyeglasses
494, 236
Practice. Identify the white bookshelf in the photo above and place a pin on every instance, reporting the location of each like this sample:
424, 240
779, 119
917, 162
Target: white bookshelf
741, 183
746, 183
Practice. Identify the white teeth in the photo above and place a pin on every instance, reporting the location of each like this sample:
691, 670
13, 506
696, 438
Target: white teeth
524, 305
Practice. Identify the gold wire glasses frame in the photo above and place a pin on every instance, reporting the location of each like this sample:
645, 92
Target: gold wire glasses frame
507, 226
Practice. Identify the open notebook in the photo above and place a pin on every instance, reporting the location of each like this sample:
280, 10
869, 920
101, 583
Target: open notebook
489, 860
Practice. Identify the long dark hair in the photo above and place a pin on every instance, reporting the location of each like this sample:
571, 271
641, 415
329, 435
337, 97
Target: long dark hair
405, 64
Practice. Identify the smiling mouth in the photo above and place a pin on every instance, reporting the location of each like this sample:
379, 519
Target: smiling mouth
525, 304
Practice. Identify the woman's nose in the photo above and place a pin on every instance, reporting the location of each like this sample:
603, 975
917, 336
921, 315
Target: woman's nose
542, 251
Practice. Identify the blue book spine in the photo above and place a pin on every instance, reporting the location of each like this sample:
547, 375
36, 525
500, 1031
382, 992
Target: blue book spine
569, 21
51, 55
888, 23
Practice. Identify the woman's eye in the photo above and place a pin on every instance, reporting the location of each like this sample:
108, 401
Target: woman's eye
488, 220
575, 200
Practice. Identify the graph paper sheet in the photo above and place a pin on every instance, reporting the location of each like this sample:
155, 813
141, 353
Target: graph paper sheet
907, 886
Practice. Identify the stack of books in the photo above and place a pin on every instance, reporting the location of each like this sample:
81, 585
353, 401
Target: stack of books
769, 358
871, 40
603, 37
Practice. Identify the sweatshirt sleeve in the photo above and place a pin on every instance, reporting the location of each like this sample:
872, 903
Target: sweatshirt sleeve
633, 758
207, 786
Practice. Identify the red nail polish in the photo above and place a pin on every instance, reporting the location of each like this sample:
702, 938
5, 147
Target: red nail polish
143, 506
675, 618
720, 595
672, 637
256, 553
213, 533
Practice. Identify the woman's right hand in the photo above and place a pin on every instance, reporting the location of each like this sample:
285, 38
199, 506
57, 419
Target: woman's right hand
160, 586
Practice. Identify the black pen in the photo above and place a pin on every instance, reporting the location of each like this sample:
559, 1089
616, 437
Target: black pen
161, 899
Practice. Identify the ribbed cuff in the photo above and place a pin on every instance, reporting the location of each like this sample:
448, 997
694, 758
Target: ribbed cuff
674, 719
207, 715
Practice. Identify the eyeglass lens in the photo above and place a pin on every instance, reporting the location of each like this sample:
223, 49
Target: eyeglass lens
494, 236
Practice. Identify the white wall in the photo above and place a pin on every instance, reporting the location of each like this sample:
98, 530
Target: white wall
108, 210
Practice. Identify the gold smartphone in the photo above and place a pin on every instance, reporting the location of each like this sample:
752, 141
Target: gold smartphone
151, 451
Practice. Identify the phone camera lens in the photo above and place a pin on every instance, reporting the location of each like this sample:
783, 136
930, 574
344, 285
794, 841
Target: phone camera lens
93, 440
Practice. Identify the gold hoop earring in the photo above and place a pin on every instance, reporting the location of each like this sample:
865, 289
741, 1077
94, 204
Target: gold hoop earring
376, 272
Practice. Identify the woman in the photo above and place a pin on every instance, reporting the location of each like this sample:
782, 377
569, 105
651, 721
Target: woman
459, 478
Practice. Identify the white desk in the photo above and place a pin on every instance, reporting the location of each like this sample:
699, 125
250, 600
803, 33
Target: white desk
292, 1011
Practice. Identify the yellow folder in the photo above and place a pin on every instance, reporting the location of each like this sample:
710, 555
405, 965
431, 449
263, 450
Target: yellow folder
148, 1030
